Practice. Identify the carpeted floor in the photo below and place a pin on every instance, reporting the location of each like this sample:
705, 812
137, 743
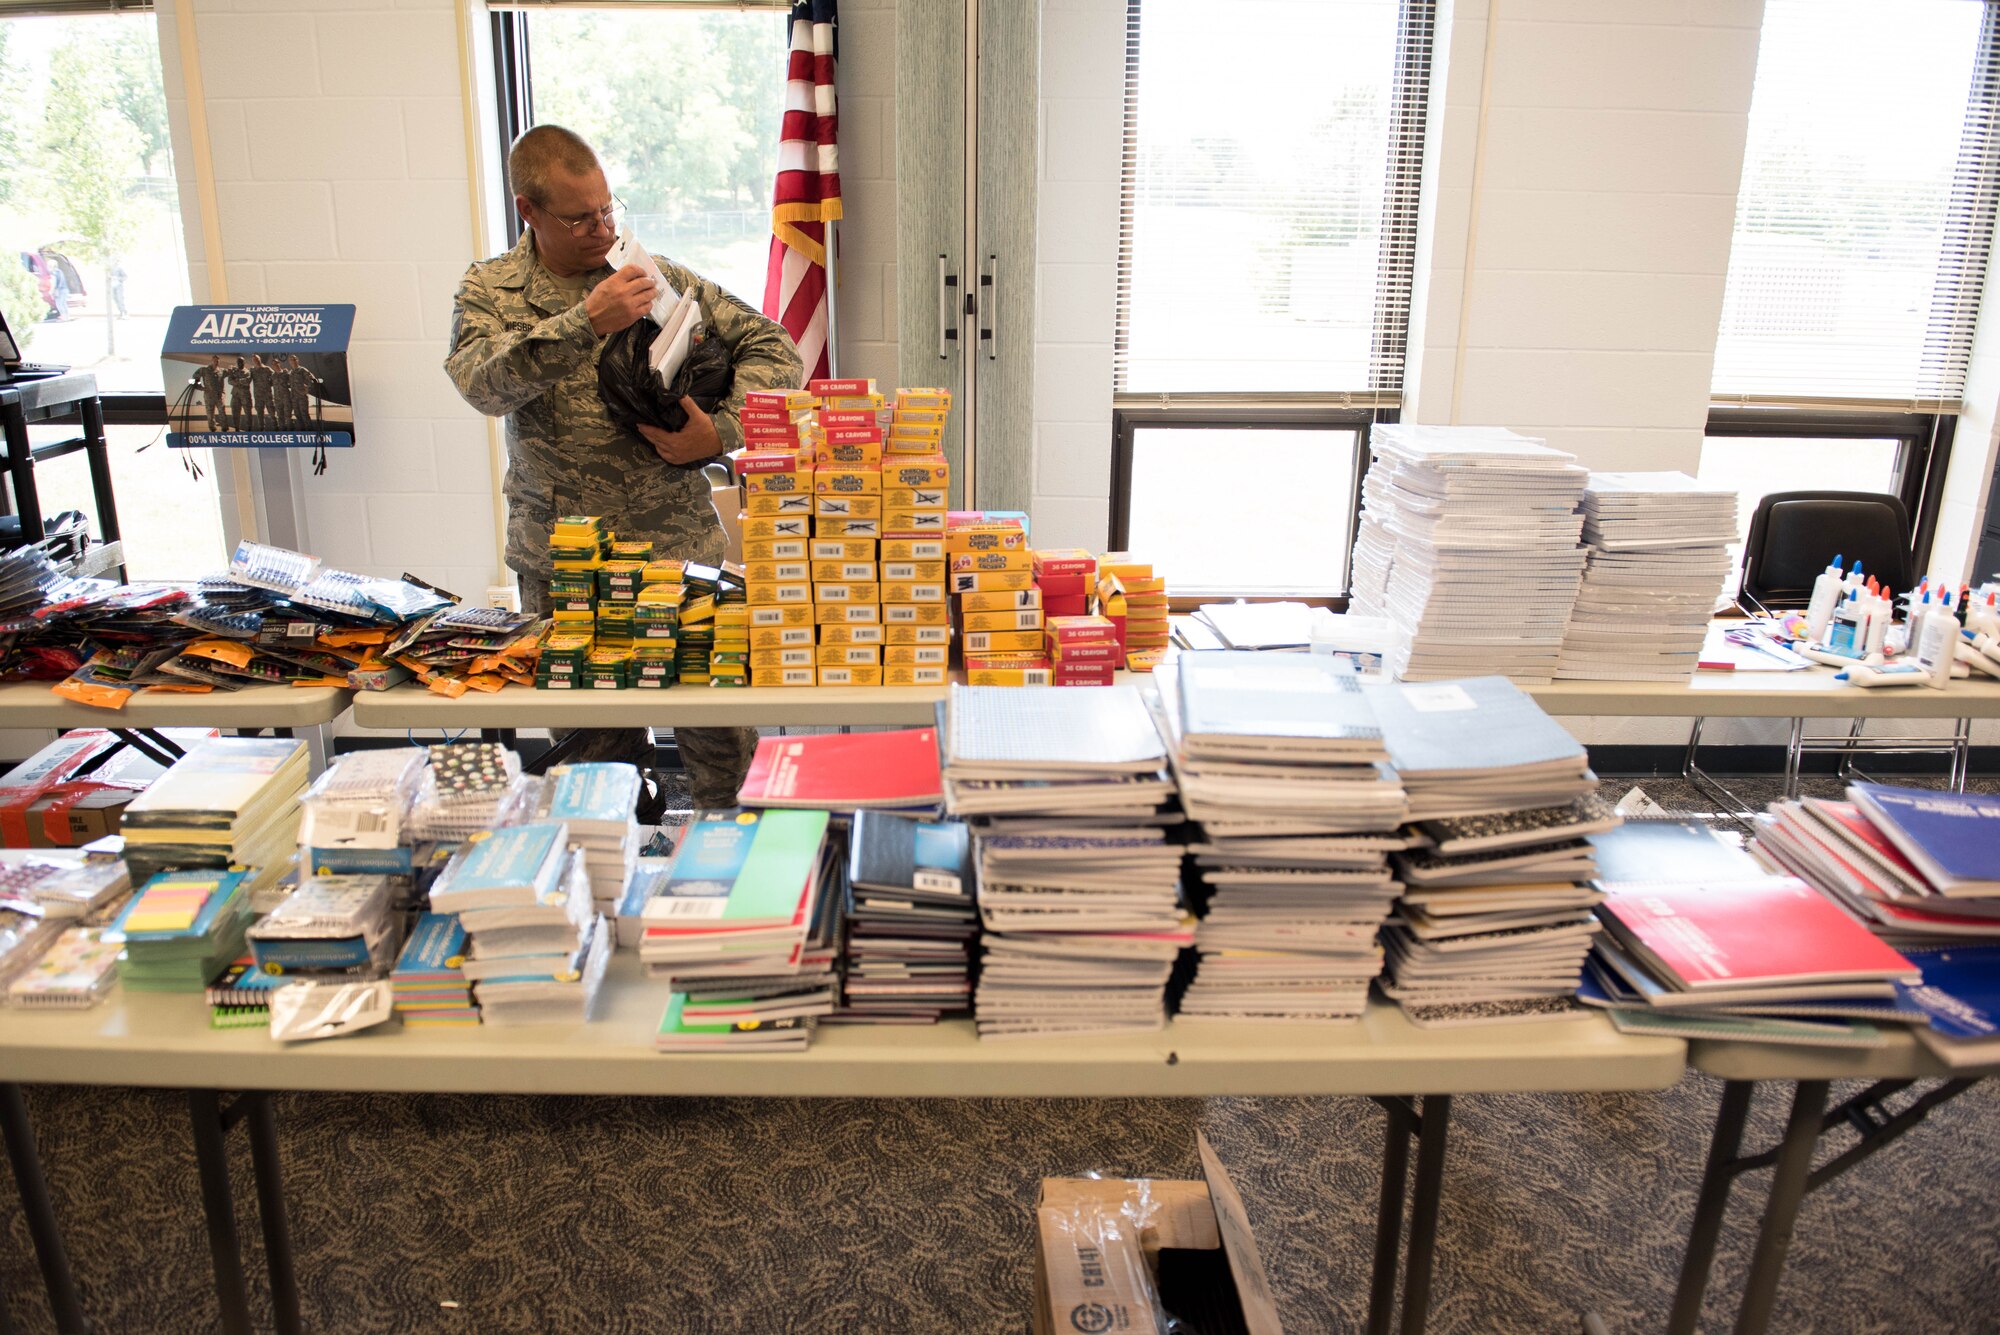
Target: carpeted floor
461, 1214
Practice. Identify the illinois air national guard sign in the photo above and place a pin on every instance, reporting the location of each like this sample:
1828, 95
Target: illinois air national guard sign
258, 377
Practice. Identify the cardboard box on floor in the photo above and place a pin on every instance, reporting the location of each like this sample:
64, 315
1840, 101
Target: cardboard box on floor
76, 788
1111, 1251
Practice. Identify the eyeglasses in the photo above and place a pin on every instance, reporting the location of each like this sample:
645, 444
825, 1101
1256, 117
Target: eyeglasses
608, 217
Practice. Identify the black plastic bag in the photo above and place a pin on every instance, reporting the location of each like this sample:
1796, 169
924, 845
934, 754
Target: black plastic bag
632, 391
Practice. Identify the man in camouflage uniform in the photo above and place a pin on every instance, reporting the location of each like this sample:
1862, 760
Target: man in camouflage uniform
263, 408
209, 379
299, 405
527, 328
237, 380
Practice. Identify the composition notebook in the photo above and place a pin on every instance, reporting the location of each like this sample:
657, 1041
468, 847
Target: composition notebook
1004, 731
221, 786
1953, 838
743, 870
1277, 704
927, 859
846, 771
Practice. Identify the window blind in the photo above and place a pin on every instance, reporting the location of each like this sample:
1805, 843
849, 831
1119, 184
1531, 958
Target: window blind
1268, 196
26, 9
1866, 208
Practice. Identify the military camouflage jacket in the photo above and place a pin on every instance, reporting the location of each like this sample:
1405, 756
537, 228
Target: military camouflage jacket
520, 348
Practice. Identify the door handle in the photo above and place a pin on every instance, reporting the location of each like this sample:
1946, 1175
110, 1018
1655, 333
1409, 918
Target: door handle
947, 309
989, 313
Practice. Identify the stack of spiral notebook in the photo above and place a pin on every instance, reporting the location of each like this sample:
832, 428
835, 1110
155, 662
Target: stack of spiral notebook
911, 920
1281, 761
1070, 797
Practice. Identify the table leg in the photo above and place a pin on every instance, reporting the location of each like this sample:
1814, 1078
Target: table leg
98, 454
1424, 1205
271, 1210
211, 1155
1710, 1206
1788, 1190
1389, 1217
21, 469
35, 1205
1794, 756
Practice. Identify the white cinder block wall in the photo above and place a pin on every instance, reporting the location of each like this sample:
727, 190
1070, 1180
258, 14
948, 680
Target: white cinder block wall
866, 251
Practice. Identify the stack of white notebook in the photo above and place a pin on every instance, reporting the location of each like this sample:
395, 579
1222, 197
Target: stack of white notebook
1468, 544
1069, 796
1281, 760
538, 947
597, 802
1477, 746
1658, 554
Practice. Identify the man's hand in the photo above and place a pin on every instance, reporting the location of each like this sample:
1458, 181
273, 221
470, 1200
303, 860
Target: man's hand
619, 300
693, 443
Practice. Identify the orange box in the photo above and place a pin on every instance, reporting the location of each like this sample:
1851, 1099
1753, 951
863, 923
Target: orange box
764, 504
917, 634
999, 600
775, 549
913, 549
850, 676
852, 634
868, 614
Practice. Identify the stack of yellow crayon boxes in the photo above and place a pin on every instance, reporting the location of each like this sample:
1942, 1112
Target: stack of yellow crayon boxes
998, 602
1133, 598
843, 527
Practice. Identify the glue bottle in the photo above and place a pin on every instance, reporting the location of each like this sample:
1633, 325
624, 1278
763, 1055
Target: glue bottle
1826, 593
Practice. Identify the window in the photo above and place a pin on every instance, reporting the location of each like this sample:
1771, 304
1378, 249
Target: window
1859, 258
1267, 241
91, 229
683, 107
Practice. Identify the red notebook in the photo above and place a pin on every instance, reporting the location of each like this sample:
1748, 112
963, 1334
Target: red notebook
1779, 933
846, 771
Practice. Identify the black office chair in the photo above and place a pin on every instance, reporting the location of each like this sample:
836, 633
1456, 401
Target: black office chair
1793, 535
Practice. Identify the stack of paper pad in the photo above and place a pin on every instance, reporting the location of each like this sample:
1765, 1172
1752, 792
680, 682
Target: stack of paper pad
538, 949
1280, 759
911, 920
181, 929
1468, 543
75, 973
596, 802
1658, 557
329, 925
744, 928
1472, 747
356, 815
428, 982
1069, 795
1494, 920
229, 802
469, 787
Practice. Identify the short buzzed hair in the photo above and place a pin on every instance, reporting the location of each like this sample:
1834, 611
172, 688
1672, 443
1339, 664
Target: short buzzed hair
540, 150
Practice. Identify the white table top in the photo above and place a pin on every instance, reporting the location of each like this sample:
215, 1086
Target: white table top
164, 1041
31, 704
1812, 693
1902, 1058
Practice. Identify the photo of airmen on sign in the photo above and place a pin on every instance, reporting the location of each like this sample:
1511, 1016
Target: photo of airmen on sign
259, 377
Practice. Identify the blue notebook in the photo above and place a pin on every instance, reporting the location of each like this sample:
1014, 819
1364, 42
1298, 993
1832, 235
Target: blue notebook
594, 798
520, 865
1953, 838
1961, 989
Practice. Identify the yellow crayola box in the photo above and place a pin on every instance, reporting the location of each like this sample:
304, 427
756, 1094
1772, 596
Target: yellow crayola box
845, 572
791, 676
577, 567
661, 595
731, 614
914, 416
920, 572
663, 571
905, 654
800, 592
849, 655
780, 614
914, 614
983, 540
914, 675
849, 528
900, 446
914, 498
1023, 619
1139, 586
1017, 558
796, 482
915, 473
913, 549
850, 454
776, 572
981, 581
853, 403
758, 527
775, 549
913, 521
848, 482
847, 613
843, 549
566, 618
922, 396
851, 634
850, 676
999, 600
764, 504
848, 507
794, 656
912, 593
1003, 640
1007, 676
1122, 565
698, 610
917, 634
847, 593
780, 637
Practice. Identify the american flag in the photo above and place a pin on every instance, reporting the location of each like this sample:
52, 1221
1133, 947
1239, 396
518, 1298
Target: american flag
807, 196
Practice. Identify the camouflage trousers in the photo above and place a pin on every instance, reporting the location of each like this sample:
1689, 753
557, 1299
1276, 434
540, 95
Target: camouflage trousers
716, 758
